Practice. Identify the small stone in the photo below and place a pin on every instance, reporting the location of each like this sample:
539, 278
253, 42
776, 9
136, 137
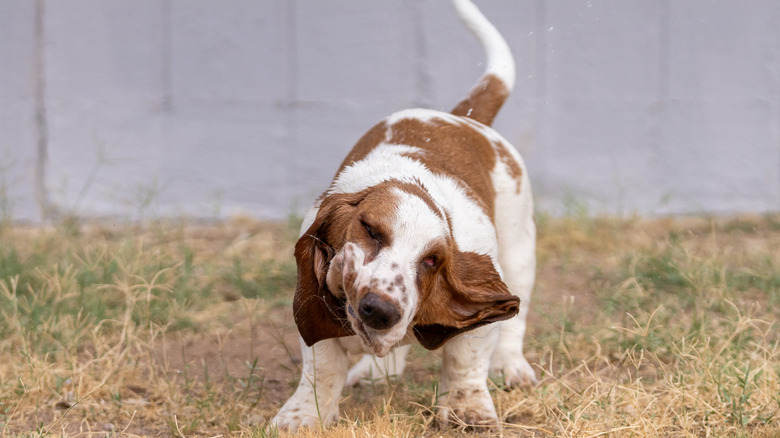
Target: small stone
254, 419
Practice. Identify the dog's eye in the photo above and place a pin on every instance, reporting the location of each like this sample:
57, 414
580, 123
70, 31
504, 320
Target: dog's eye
369, 230
430, 261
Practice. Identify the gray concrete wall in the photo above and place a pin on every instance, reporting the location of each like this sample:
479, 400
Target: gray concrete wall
206, 108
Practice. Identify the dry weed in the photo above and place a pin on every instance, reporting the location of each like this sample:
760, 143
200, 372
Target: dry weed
638, 328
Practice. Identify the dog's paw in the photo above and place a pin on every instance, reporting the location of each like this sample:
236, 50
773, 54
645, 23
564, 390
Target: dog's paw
291, 419
301, 411
468, 407
514, 369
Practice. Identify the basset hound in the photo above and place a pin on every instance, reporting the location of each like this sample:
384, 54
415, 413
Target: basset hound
426, 233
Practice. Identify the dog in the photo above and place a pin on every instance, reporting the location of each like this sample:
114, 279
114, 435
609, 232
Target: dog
426, 233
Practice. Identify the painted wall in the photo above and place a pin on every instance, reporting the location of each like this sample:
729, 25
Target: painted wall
205, 108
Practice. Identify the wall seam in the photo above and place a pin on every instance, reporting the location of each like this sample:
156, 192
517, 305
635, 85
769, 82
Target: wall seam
41, 123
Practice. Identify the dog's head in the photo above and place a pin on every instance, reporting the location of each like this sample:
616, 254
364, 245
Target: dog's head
383, 262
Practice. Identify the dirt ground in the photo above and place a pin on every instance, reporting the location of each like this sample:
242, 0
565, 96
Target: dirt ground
234, 350
272, 338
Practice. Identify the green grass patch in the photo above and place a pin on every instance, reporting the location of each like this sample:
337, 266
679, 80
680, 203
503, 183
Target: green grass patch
637, 328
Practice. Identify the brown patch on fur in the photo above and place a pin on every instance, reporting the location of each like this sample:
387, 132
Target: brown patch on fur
484, 101
350, 277
317, 312
376, 210
457, 150
513, 167
463, 294
460, 395
420, 191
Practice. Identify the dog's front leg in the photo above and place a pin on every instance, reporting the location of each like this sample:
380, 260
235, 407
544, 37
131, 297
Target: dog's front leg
316, 401
464, 391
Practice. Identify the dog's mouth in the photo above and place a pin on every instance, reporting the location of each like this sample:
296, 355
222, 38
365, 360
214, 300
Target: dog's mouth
370, 342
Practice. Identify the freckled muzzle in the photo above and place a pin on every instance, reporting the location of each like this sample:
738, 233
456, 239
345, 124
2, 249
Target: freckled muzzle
370, 306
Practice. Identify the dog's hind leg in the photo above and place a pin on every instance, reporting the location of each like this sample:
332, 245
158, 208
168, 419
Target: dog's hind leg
516, 231
378, 370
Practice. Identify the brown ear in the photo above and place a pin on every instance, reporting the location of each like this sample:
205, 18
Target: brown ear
318, 313
466, 294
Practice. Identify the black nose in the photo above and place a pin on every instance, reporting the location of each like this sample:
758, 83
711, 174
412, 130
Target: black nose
377, 313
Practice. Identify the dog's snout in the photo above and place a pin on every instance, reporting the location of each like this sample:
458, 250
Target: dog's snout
378, 313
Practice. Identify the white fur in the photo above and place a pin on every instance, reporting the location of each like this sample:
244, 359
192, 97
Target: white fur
465, 363
316, 400
500, 61
516, 252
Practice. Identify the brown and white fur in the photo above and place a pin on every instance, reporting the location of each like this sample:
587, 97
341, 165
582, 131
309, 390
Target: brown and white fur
426, 233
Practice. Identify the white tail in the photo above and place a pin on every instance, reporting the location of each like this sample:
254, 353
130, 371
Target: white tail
500, 61
492, 89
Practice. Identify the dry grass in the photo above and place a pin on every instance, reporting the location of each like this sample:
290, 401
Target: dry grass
638, 328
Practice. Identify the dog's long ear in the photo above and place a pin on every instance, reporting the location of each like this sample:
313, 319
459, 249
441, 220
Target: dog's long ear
465, 294
318, 313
